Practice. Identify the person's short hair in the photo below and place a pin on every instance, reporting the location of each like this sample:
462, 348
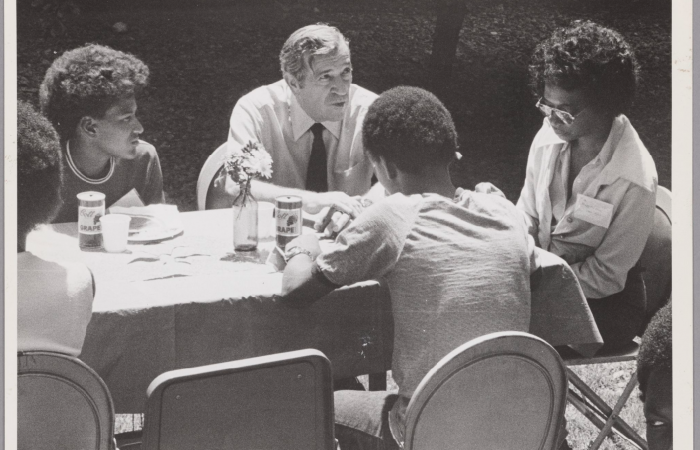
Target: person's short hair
86, 81
305, 44
591, 57
39, 169
410, 127
656, 351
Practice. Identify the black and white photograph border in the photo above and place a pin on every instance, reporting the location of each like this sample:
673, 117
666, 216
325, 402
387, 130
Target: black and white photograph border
204, 55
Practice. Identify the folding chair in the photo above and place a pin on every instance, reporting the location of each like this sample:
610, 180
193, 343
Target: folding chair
206, 175
656, 260
61, 404
272, 402
500, 391
656, 257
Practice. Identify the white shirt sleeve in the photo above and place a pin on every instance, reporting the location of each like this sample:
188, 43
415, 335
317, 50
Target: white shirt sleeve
245, 124
526, 203
605, 272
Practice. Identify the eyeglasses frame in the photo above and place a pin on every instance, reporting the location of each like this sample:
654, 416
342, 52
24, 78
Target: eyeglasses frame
565, 117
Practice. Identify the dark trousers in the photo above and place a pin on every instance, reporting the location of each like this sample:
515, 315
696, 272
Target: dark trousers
620, 316
348, 384
362, 420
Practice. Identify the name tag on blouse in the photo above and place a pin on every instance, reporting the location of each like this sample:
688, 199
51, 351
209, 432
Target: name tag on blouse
593, 211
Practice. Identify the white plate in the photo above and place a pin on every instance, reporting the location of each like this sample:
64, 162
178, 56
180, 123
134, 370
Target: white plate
144, 228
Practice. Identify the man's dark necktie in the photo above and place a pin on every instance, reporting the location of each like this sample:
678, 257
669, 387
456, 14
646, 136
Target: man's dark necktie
316, 175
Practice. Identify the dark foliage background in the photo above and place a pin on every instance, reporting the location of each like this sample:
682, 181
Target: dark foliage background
205, 54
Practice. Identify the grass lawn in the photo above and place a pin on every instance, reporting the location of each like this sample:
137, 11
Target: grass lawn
203, 58
608, 381
205, 54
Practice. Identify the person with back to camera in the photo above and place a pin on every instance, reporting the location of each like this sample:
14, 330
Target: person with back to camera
457, 263
54, 300
590, 186
89, 95
655, 375
310, 122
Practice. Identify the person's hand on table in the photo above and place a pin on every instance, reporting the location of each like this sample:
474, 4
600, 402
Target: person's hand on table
332, 221
307, 242
314, 202
299, 285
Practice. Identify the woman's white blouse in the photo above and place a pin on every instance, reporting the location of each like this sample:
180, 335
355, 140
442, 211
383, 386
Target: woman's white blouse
622, 175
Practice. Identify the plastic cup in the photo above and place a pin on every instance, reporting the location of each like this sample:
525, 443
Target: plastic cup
115, 232
266, 220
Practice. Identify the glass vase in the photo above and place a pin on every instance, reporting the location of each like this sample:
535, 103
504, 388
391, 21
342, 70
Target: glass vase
245, 221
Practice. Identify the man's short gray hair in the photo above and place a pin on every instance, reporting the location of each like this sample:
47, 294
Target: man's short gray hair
304, 44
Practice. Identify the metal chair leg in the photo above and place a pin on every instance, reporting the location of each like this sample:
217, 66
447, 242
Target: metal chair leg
598, 406
600, 410
614, 418
593, 416
598, 419
589, 393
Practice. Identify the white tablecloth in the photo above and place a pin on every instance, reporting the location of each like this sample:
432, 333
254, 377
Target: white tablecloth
192, 301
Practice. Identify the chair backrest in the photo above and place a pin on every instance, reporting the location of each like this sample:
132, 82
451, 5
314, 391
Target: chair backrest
501, 391
656, 257
206, 175
272, 402
61, 404
664, 200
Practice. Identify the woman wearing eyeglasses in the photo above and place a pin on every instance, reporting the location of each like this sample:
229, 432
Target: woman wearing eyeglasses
590, 186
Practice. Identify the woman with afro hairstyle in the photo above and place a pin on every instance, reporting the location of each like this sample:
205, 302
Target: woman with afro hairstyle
54, 301
655, 375
590, 185
89, 95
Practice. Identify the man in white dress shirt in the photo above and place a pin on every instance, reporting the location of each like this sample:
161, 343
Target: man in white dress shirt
310, 122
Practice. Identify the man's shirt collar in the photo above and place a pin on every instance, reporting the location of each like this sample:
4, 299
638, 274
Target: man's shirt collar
301, 122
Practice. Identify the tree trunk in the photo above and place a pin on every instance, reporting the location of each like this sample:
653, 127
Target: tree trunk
450, 15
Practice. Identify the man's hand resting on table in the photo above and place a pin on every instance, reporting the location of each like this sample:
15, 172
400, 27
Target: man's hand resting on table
314, 202
332, 220
335, 210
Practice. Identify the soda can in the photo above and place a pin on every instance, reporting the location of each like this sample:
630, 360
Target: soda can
288, 219
91, 207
